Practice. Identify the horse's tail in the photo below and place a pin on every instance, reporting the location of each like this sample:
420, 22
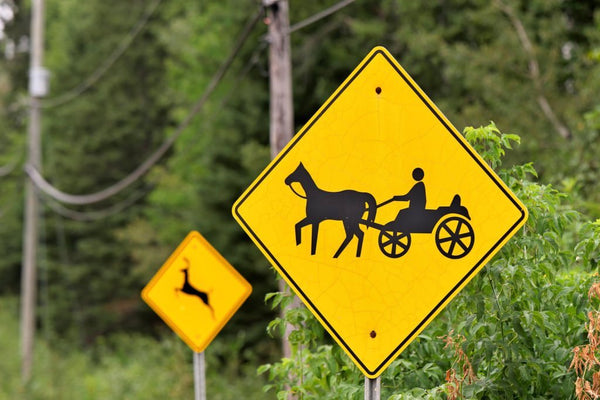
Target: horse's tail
372, 208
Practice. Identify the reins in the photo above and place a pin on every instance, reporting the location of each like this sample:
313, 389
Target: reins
296, 193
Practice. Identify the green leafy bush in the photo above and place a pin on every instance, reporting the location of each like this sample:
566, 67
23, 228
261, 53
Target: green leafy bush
518, 320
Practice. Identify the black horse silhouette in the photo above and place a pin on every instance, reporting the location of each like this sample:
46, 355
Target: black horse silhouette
188, 289
347, 206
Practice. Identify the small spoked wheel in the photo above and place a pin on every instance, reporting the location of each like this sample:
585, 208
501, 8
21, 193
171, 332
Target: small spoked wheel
394, 244
454, 237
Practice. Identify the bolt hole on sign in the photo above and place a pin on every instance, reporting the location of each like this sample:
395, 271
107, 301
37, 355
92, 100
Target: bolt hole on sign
378, 212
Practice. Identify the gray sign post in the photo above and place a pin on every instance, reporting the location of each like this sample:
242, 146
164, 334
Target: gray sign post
199, 376
372, 388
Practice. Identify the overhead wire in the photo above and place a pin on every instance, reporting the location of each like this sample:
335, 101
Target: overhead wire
126, 42
95, 76
67, 198
320, 15
95, 214
251, 62
106, 65
48, 189
253, 59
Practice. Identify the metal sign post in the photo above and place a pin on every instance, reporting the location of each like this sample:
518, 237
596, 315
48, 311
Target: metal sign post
196, 292
199, 376
372, 388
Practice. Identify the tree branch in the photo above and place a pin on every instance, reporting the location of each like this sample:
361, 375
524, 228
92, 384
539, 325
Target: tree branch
534, 70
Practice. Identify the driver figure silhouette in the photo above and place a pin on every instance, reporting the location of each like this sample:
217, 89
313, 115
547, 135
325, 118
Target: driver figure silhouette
415, 218
415, 196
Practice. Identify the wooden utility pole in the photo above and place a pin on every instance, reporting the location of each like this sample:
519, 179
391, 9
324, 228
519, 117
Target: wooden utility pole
281, 102
280, 74
38, 88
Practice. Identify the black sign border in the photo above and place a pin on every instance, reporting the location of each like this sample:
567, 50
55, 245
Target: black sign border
456, 135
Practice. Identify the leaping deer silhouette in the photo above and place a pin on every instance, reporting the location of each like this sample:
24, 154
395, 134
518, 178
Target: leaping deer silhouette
188, 289
347, 206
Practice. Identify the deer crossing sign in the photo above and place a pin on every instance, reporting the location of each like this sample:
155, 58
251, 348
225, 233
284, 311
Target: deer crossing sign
196, 291
378, 212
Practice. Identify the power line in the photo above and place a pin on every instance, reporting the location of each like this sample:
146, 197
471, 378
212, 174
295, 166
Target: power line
251, 62
106, 65
142, 169
96, 214
123, 205
67, 198
320, 15
234, 86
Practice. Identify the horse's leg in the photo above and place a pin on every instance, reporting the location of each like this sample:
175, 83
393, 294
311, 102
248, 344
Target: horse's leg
360, 235
299, 227
315, 234
347, 240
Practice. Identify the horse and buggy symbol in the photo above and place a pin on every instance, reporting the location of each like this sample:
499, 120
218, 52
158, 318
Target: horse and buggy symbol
453, 234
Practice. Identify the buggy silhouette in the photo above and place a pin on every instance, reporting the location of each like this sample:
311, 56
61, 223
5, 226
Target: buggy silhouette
454, 235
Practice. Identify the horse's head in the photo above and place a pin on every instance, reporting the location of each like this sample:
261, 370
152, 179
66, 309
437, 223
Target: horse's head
299, 175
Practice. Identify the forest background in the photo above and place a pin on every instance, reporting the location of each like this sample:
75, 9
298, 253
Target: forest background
124, 76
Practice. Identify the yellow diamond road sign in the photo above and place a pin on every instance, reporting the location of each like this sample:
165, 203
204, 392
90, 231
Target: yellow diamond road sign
196, 291
378, 212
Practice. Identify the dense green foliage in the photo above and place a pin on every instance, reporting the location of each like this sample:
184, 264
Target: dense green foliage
123, 366
13, 80
521, 316
531, 66
120, 121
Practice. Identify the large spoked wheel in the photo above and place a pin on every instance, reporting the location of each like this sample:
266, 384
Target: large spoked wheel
454, 237
392, 243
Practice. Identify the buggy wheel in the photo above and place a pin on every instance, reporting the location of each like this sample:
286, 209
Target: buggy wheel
454, 237
394, 244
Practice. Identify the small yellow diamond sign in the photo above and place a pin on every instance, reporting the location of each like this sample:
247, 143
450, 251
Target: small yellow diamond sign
378, 212
196, 291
